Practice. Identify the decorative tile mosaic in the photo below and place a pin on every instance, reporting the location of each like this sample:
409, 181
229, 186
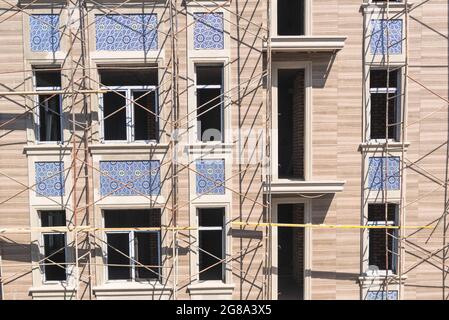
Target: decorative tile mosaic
208, 31
382, 295
210, 171
130, 32
44, 32
378, 178
379, 38
49, 179
141, 178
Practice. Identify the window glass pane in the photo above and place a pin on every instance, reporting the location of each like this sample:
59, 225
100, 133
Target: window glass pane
147, 253
53, 218
145, 122
378, 79
378, 110
210, 111
209, 75
49, 118
54, 250
377, 248
118, 254
143, 218
48, 78
376, 212
114, 115
210, 217
290, 17
210, 253
129, 76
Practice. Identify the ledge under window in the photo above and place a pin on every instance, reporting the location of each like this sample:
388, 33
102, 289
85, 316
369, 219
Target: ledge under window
207, 290
47, 149
134, 291
306, 43
53, 292
294, 187
380, 145
369, 279
128, 148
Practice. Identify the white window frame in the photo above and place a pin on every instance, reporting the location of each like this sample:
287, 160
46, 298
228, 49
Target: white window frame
130, 121
394, 257
37, 111
223, 100
223, 242
307, 19
132, 255
398, 92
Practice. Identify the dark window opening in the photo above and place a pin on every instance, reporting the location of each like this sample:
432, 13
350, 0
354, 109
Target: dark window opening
290, 17
378, 92
49, 105
114, 112
290, 253
211, 243
145, 120
133, 255
55, 268
130, 111
379, 237
209, 90
291, 106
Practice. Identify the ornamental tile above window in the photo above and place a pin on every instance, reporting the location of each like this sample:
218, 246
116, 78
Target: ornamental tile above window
44, 32
49, 179
130, 178
210, 178
129, 32
386, 34
208, 31
378, 177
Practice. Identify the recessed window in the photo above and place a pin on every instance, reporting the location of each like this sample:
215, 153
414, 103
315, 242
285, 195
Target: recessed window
133, 255
382, 242
291, 108
130, 108
211, 243
290, 17
209, 100
49, 111
54, 265
381, 96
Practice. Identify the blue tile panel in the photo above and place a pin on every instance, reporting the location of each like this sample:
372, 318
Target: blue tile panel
382, 295
208, 31
378, 178
379, 38
211, 173
49, 179
130, 32
140, 177
44, 32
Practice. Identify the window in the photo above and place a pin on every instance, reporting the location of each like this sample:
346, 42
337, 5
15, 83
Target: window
133, 255
54, 265
211, 243
290, 17
378, 237
291, 108
378, 96
49, 126
209, 97
130, 109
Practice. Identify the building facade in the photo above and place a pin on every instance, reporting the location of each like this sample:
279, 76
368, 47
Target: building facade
223, 149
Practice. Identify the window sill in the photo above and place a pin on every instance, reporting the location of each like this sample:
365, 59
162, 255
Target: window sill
378, 145
53, 292
128, 148
211, 290
294, 187
370, 279
132, 290
383, 5
306, 43
47, 149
